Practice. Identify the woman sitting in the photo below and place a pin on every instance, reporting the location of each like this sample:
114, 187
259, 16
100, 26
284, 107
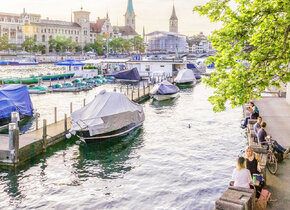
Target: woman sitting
241, 176
253, 162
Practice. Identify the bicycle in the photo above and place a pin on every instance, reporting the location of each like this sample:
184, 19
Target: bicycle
272, 163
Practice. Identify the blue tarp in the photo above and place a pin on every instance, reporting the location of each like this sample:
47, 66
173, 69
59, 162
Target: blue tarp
70, 63
15, 98
132, 74
166, 88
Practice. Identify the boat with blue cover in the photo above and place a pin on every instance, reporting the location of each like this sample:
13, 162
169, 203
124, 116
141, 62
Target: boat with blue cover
14, 98
164, 91
131, 75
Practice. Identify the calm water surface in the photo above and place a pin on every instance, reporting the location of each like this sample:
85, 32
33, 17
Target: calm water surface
163, 165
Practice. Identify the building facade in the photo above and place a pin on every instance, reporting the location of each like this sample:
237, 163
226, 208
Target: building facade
166, 42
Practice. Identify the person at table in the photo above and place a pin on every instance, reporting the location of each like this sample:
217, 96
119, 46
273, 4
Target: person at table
241, 176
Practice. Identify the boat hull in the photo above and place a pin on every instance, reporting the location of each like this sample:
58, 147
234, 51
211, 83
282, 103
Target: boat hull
84, 135
165, 97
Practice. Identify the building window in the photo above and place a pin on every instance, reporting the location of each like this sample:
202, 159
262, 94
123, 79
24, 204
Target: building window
43, 38
85, 32
49, 30
77, 39
50, 37
35, 37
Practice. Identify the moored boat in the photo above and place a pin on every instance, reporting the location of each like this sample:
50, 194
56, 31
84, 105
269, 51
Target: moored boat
109, 115
185, 77
37, 90
14, 98
164, 91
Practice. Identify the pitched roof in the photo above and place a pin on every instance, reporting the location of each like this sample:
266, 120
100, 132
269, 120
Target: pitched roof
126, 30
173, 15
97, 27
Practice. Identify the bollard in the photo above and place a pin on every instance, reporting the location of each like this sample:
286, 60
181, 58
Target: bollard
15, 118
15, 145
12, 128
55, 115
36, 121
84, 101
44, 136
13, 142
65, 122
71, 108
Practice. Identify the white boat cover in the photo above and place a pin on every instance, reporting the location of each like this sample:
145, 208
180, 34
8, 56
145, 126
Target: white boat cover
185, 75
109, 111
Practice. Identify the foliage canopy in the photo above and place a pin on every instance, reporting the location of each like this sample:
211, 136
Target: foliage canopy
252, 48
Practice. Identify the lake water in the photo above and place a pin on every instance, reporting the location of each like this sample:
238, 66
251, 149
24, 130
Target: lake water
166, 164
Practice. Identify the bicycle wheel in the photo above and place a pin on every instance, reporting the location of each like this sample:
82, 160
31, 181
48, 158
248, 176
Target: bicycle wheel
272, 164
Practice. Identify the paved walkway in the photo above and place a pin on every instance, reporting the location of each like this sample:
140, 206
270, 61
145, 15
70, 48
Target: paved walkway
276, 113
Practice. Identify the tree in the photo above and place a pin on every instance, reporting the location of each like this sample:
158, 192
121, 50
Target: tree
62, 44
41, 48
29, 44
4, 43
253, 49
138, 44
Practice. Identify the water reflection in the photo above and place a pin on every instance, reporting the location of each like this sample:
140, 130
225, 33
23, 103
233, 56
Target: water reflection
109, 159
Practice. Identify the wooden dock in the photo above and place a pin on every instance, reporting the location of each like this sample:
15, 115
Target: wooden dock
36, 142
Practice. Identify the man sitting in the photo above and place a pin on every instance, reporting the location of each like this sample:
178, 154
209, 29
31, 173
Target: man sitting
264, 139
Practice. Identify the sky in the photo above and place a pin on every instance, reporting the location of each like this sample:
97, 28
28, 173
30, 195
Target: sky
152, 14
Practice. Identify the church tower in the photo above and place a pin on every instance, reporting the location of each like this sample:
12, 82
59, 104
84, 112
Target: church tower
173, 22
130, 15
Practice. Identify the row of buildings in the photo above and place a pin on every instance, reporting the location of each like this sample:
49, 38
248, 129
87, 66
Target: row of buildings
17, 27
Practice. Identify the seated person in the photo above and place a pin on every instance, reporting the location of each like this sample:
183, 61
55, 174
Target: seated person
254, 113
257, 125
253, 162
241, 176
264, 139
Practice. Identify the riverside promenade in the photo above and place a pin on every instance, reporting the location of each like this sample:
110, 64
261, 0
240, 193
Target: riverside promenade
276, 113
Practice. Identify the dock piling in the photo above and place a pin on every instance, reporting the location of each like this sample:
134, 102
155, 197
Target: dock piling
138, 92
49, 82
143, 89
84, 101
55, 114
65, 122
36, 121
71, 108
15, 118
13, 142
127, 89
44, 135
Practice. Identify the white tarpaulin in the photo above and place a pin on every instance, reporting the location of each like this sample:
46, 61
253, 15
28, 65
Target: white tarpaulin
184, 76
108, 111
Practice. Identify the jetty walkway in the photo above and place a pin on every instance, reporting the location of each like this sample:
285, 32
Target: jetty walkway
276, 112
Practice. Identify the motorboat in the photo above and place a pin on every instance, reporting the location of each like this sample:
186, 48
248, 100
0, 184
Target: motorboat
108, 116
164, 91
185, 77
37, 89
14, 98
131, 75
